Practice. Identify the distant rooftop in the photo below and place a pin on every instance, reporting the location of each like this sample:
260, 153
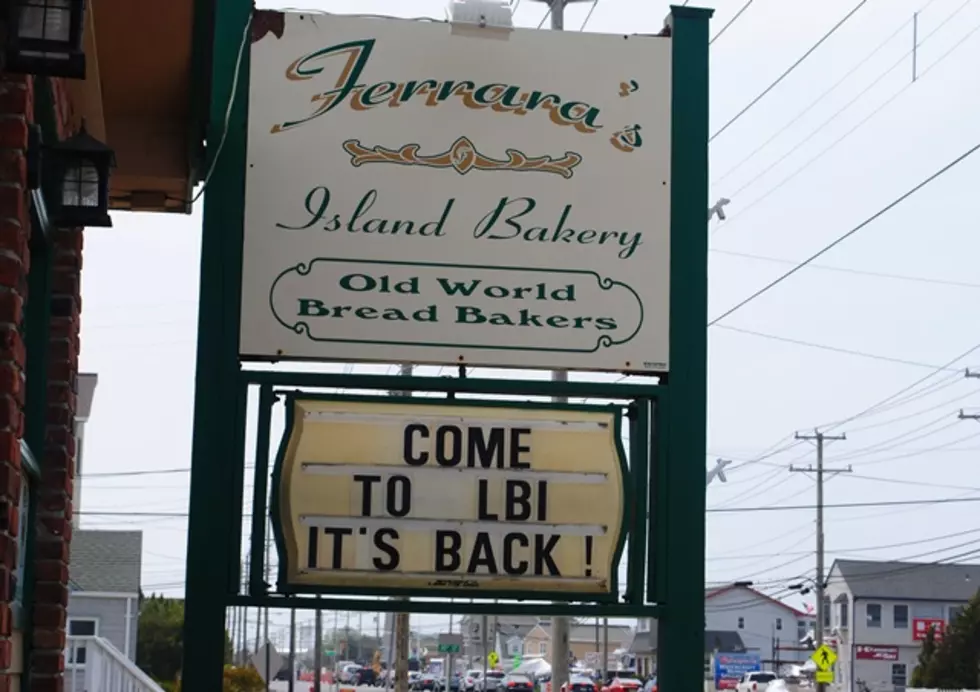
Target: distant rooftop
907, 580
105, 561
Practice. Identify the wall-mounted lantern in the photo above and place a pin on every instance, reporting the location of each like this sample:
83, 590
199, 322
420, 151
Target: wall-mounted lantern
44, 37
77, 174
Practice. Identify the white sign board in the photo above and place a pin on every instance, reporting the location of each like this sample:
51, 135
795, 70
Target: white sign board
266, 661
471, 499
419, 194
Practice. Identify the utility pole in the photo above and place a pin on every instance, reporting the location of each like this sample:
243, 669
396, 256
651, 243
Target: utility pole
486, 654
559, 624
820, 439
402, 625
605, 646
449, 655
318, 649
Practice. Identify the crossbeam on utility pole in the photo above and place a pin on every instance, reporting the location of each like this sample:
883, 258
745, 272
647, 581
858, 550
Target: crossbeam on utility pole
820, 439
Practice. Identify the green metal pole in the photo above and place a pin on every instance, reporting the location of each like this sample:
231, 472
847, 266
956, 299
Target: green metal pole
681, 624
212, 550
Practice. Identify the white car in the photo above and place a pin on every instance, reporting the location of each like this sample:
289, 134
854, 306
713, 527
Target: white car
470, 679
757, 681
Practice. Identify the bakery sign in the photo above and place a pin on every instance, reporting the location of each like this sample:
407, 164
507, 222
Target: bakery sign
876, 653
498, 202
475, 498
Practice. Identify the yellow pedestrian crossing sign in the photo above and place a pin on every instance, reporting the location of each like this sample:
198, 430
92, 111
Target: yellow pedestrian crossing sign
824, 676
493, 659
824, 657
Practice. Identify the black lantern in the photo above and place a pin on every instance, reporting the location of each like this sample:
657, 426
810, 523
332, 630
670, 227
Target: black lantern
44, 37
76, 173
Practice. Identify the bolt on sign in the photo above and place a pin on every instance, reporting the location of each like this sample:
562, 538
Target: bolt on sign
497, 201
477, 498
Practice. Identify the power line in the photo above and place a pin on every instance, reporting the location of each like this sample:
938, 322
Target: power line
814, 103
846, 270
825, 347
850, 505
881, 212
851, 131
589, 15
731, 21
789, 70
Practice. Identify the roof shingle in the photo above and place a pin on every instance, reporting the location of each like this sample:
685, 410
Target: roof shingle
908, 580
106, 561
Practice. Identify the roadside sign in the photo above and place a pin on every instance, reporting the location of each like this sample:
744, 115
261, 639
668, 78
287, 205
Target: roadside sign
824, 657
824, 676
731, 667
493, 659
477, 497
428, 224
450, 643
515, 664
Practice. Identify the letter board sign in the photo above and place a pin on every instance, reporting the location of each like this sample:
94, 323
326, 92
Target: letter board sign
484, 202
473, 498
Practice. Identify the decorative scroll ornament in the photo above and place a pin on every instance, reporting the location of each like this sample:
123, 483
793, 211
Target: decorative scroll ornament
463, 157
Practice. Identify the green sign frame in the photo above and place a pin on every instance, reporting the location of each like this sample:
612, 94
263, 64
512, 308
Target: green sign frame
666, 573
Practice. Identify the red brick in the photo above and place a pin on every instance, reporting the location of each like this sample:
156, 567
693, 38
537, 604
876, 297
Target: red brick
13, 237
10, 449
9, 480
54, 594
55, 458
10, 414
48, 662
13, 167
12, 345
11, 302
52, 550
12, 203
6, 620
6, 649
14, 99
50, 683
49, 639
51, 570
12, 380
13, 132
49, 615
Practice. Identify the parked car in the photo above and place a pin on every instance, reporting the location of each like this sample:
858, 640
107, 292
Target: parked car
364, 676
515, 683
757, 681
470, 679
579, 683
492, 681
650, 685
427, 681
616, 682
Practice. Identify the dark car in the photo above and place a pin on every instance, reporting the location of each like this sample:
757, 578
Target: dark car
515, 683
364, 676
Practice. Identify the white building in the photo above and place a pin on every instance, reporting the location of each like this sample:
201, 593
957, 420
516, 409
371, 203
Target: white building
880, 611
766, 626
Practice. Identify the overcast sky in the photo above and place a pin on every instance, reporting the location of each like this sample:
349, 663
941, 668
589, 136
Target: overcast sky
904, 288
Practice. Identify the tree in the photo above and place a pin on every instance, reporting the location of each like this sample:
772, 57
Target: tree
160, 643
955, 661
926, 655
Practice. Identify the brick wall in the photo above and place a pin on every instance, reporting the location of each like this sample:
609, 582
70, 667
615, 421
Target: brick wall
16, 110
53, 528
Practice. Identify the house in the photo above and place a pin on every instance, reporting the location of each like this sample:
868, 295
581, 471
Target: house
86, 393
879, 612
104, 592
765, 625
583, 639
504, 632
644, 645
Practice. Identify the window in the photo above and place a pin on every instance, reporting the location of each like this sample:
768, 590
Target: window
843, 613
779, 623
543, 648
79, 627
801, 630
741, 623
900, 616
874, 614
954, 612
826, 614
898, 675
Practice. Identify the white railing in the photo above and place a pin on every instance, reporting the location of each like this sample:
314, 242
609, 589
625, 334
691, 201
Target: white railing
93, 664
